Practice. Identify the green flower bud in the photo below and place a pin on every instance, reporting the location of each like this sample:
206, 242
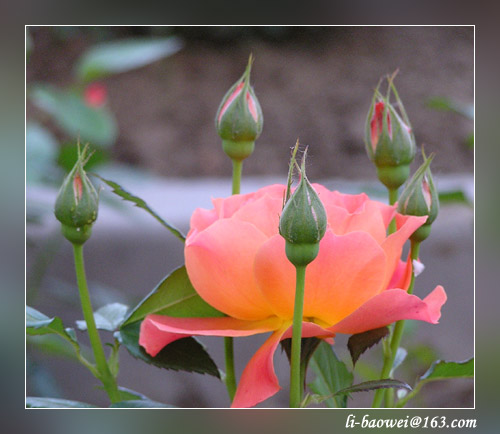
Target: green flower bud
389, 139
420, 198
239, 118
77, 203
303, 222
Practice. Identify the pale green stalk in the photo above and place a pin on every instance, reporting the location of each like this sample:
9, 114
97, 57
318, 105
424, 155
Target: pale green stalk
104, 374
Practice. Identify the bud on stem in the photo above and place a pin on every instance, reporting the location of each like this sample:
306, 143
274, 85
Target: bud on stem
389, 139
239, 118
303, 221
420, 198
77, 202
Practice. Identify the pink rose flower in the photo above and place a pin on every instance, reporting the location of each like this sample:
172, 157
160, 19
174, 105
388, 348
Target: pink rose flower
236, 261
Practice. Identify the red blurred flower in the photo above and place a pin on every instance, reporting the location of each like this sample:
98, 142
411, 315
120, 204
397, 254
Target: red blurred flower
95, 95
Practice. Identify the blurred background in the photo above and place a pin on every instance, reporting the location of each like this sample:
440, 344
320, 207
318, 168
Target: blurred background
146, 97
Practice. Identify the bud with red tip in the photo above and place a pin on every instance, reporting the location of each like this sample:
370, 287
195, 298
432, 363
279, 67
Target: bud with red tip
77, 202
389, 139
420, 198
239, 118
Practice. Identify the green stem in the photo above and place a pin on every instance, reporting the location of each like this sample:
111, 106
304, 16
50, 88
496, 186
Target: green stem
105, 375
229, 359
393, 198
237, 169
396, 339
295, 371
228, 342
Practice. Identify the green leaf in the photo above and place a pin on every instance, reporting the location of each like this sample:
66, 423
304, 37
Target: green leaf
441, 370
456, 196
140, 403
469, 141
445, 104
138, 202
174, 296
123, 55
361, 387
39, 324
307, 348
331, 375
401, 354
130, 395
114, 358
77, 119
374, 385
360, 342
186, 354
108, 317
34, 402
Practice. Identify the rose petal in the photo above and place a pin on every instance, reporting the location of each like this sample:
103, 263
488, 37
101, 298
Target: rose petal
351, 202
370, 218
258, 381
201, 219
157, 331
263, 213
401, 278
390, 306
393, 245
219, 262
226, 207
348, 271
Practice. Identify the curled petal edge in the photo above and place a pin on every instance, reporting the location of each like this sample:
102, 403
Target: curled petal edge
390, 306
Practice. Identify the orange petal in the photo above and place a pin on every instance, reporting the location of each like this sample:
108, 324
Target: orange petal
393, 245
401, 278
348, 213
273, 190
258, 381
370, 218
263, 213
348, 271
219, 262
201, 219
351, 202
157, 331
275, 276
226, 207
390, 306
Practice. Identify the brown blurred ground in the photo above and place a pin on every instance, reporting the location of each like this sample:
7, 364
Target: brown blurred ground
312, 83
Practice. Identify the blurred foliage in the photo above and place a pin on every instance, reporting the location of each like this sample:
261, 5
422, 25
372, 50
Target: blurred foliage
115, 57
81, 110
74, 116
447, 105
